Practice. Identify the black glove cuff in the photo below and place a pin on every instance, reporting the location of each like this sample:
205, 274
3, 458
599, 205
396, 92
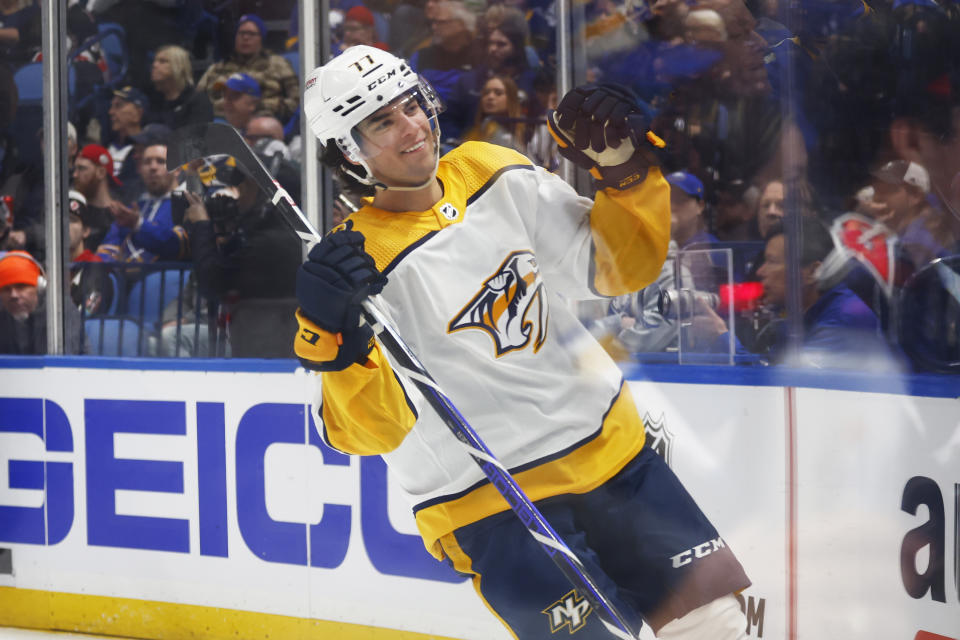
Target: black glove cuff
623, 176
357, 345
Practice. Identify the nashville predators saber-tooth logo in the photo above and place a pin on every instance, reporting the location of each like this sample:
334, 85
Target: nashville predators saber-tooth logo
502, 307
569, 611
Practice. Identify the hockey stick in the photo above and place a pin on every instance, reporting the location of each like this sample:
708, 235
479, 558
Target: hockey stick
205, 140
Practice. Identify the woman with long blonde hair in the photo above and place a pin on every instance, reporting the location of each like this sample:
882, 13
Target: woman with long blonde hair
174, 100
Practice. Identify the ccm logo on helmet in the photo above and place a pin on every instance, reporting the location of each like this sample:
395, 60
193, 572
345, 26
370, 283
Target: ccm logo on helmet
373, 85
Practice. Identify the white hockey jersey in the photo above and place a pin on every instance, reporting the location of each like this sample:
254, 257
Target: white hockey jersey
477, 287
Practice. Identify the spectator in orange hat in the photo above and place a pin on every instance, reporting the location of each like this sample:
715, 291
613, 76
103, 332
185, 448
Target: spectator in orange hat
23, 322
21, 281
358, 29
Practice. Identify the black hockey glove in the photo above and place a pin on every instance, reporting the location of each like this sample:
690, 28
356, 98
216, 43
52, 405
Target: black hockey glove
331, 286
602, 129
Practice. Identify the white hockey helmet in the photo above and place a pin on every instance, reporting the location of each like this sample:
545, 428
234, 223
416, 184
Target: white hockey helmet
341, 94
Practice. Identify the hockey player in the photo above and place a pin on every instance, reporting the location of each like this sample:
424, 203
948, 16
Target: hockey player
473, 256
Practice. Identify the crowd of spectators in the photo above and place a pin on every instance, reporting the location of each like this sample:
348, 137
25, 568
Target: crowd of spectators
833, 121
841, 113
138, 71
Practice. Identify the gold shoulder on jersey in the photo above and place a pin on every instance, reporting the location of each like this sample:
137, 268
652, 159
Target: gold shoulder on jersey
464, 172
472, 165
388, 234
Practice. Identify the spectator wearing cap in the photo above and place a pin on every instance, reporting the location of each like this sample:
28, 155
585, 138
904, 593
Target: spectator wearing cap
127, 110
279, 85
80, 229
94, 179
900, 191
20, 292
688, 225
23, 322
174, 100
153, 133
241, 99
358, 28
90, 286
147, 232
901, 187
689, 229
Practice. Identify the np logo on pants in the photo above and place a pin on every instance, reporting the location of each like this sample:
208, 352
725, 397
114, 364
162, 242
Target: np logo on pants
569, 611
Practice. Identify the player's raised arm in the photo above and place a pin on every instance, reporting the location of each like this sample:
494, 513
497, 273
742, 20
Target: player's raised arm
601, 128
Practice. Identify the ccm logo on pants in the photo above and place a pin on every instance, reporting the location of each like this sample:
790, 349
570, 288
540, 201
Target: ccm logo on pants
700, 551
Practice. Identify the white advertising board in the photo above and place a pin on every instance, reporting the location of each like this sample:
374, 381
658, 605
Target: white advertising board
211, 490
146, 503
878, 487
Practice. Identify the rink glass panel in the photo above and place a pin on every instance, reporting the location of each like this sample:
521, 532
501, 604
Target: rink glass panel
780, 111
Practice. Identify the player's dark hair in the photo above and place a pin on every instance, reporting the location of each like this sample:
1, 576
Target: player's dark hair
332, 157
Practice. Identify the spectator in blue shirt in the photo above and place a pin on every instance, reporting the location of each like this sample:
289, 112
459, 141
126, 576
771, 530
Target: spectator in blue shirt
146, 231
839, 329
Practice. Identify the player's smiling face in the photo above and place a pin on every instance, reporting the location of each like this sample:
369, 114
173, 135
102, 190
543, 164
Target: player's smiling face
398, 143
